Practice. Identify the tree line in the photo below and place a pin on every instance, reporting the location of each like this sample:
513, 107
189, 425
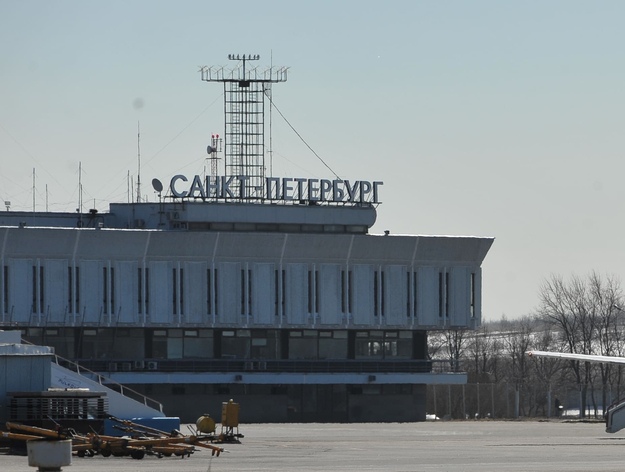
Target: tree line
583, 315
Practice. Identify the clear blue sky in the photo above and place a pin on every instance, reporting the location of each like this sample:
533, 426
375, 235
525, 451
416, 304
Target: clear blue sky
484, 118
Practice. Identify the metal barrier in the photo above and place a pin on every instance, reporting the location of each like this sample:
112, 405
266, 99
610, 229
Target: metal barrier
273, 366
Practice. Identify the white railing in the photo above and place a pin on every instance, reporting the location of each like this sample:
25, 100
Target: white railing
109, 383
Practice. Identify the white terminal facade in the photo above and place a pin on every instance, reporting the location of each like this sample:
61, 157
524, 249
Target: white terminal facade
288, 305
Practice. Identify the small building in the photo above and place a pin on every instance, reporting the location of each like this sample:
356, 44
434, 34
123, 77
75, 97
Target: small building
22, 367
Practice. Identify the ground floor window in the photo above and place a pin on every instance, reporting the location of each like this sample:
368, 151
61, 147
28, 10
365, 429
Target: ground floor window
182, 343
314, 344
205, 343
376, 344
236, 344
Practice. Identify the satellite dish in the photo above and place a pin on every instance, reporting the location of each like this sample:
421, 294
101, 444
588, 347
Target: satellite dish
157, 185
210, 149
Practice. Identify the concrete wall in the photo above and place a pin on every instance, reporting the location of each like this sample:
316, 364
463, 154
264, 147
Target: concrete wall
387, 408
298, 404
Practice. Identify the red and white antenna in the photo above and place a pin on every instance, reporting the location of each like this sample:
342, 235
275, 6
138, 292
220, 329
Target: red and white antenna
212, 150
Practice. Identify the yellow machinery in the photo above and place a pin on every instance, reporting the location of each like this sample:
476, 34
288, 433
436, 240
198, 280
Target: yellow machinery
229, 424
205, 424
230, 421
229, 415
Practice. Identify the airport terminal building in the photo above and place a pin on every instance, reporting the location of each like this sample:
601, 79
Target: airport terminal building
290, 308
267, 290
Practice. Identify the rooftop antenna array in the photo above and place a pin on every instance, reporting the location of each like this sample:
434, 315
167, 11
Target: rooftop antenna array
138, 162
244, 105
157, 185
79, 209
212, 150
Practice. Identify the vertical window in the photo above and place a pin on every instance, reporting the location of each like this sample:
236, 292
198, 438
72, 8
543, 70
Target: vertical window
277, 290
6, 289
472, 294
408, 311
70, 286
382, 291
376, 300
317, 298
343, 281
416, 298
310, 292
447, 294
216, 291
41, 294
209, 292
350, 290
175, 294
147, 291
242, 291
249, 291
35, 289
106, 291
77, 278
181, 291
140, 287
441, 294
283, 291
112, 290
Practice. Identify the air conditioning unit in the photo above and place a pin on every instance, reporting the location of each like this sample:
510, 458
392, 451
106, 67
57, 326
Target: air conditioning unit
372, 378
249, 366
112, 366
238, 378
126, 366
152, 365
262, 365
139, 364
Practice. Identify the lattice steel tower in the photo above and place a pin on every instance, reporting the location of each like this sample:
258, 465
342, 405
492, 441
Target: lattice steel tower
244, 106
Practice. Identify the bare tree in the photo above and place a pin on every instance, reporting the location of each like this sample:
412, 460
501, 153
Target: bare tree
605, 298
577, 315
565, 307
455, 344
436, 345
517, 342
545, 372
484, 355
586, 315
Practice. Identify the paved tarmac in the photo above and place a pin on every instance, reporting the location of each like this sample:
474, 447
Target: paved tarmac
469, 446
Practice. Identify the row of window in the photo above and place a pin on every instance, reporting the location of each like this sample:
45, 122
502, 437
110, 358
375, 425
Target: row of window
248, 290
175, 343
313, 292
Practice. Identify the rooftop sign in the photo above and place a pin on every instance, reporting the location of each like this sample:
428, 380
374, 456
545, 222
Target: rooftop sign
276, 188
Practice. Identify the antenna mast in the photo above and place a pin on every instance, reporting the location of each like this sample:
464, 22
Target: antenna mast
268, 93
80, 193
244, 105
138, 163
212, 150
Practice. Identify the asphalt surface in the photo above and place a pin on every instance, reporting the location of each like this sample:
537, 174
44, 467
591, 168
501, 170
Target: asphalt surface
470, 446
